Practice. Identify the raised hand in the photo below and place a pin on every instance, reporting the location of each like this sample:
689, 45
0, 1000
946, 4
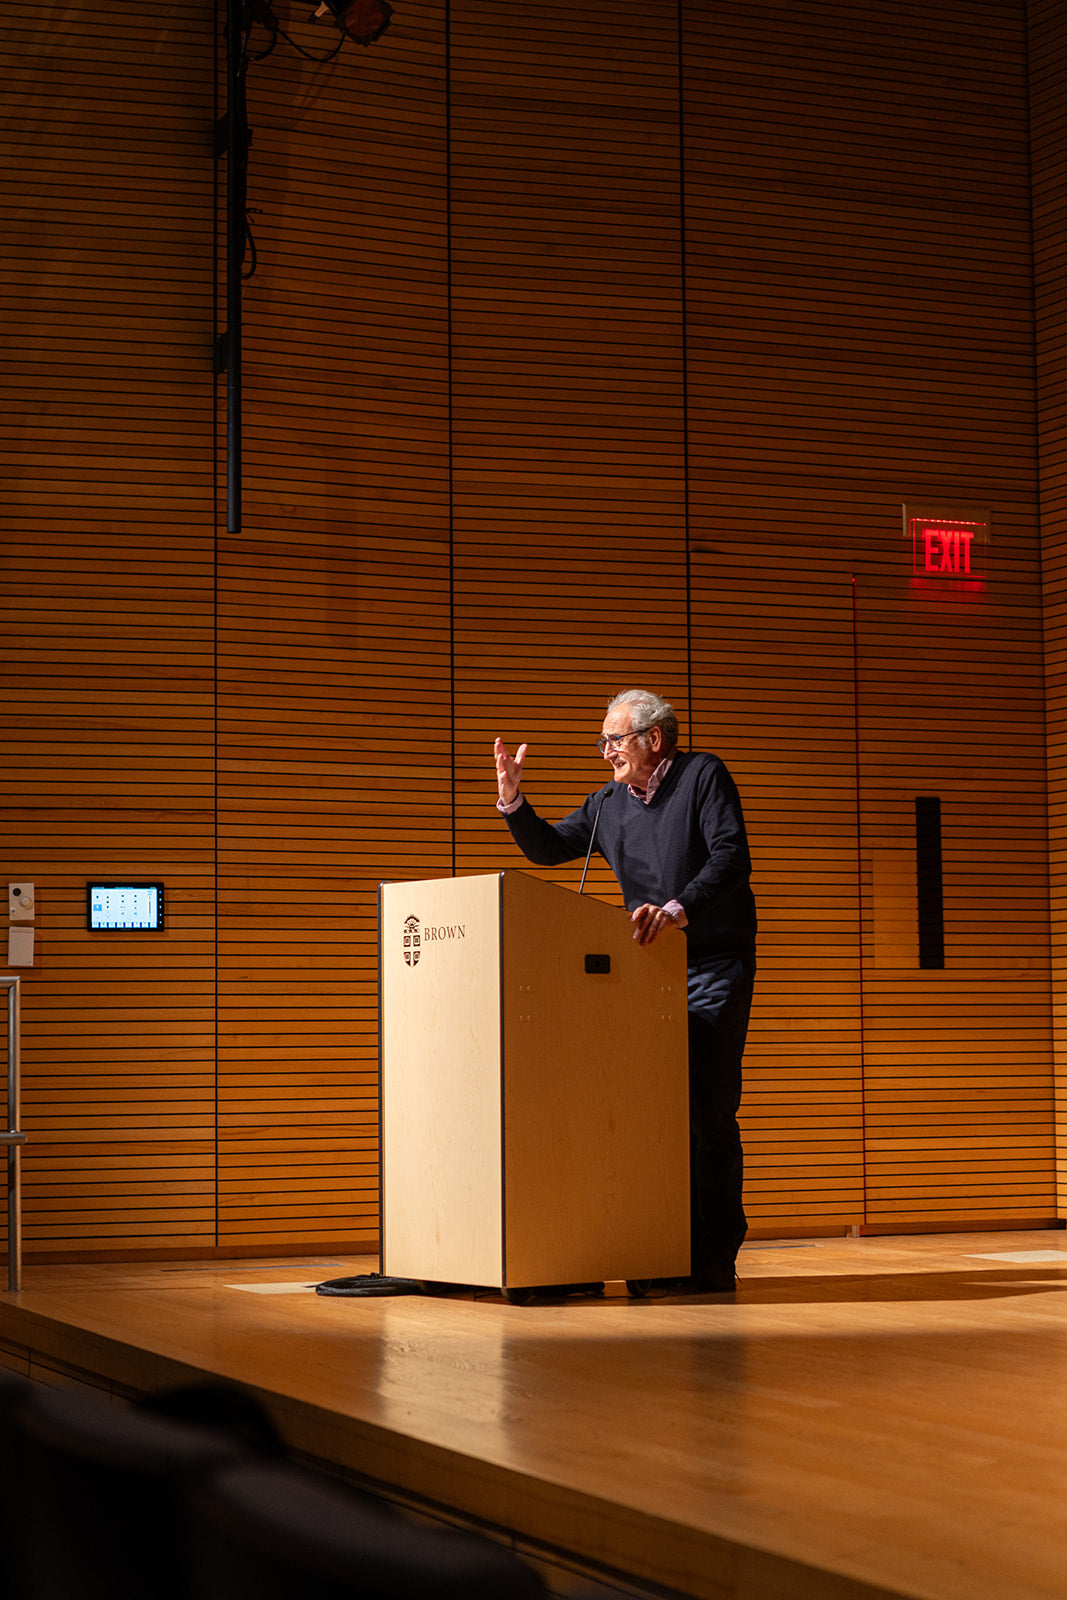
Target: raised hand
508, 770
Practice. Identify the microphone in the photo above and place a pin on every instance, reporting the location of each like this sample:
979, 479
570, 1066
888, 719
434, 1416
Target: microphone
592, 839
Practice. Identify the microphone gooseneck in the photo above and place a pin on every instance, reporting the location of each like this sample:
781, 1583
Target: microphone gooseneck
592, 840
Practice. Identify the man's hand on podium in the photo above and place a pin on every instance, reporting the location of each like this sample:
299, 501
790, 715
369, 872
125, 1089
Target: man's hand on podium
649, 921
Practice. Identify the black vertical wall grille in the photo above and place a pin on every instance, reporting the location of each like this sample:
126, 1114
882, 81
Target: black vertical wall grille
931, 898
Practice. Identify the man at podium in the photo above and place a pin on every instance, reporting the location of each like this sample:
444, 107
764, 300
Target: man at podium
669, 824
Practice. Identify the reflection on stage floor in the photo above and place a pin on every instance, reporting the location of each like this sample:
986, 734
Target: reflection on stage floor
864, 1417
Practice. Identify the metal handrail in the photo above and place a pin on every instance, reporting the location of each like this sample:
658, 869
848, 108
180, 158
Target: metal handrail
13, 1138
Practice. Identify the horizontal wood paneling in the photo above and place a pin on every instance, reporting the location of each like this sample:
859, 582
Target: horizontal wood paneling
1048, 103
585, 348
106, 290
567, 397
773, 673
334, 642
959, 1092
860, 322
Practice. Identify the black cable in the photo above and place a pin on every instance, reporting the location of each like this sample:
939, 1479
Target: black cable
254, 12
253, 253
307, 53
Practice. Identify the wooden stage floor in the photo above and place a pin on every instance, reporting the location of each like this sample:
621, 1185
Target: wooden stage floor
867, 1417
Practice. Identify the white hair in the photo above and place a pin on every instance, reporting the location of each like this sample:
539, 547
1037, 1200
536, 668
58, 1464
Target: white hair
648, 710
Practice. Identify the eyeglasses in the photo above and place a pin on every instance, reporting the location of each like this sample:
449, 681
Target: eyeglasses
613, 741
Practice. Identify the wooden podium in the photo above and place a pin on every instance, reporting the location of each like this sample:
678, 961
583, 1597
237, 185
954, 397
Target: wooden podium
534, 1087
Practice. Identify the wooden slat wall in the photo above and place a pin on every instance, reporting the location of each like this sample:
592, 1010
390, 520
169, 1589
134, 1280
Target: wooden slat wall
587, 347
773, 658
567, 393
859, 317
106, 279
1048, 107
334, 641
958, 1134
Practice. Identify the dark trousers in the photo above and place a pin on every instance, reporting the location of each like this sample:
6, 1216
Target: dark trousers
720, 998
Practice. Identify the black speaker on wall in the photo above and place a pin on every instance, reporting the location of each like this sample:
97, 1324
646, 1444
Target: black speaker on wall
931, 896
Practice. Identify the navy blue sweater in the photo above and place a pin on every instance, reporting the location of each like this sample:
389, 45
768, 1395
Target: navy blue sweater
687, 844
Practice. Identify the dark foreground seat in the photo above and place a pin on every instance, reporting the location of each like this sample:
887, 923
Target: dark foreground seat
187, 1496
15, 1391
271, 1531
96, 1497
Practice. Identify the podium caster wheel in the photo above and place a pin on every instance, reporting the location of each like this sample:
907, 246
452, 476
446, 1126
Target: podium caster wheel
637, 1288
517, 1297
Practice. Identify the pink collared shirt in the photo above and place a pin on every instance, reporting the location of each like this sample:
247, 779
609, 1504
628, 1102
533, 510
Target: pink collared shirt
653, 782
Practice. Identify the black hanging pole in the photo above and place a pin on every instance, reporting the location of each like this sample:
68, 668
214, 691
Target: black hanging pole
361, 20
236, 223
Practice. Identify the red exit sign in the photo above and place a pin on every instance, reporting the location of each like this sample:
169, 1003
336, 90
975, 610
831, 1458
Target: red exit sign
947, 546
